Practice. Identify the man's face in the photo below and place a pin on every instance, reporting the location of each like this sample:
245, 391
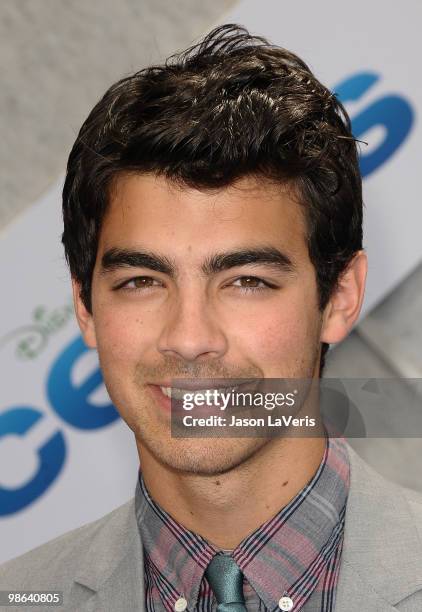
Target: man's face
200, 284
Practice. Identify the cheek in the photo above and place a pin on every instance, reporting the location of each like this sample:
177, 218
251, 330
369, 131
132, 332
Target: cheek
277, 334
282, 333
121, 337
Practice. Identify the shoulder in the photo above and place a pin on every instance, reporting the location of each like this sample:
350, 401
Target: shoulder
381, 565
369, 490
54, 564
414, 501
382, 534
365, 481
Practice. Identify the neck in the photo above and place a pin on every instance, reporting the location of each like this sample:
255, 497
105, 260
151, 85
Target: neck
226, 508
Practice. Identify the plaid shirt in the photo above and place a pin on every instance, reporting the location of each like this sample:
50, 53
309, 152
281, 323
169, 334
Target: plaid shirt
296, 553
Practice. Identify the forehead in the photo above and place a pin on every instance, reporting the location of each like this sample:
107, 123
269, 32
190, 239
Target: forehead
156, 212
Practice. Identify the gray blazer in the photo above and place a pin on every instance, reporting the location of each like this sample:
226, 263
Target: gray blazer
99, 567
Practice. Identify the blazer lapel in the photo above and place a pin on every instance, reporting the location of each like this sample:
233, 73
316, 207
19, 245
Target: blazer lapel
354, 592
382, 552
124, 590
111, 576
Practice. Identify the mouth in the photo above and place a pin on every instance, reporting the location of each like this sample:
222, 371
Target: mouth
177, 393
172, 398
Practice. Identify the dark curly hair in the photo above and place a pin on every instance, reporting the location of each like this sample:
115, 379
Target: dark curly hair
232, 105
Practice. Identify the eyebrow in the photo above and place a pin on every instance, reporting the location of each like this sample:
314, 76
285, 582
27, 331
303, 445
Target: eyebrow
116, 259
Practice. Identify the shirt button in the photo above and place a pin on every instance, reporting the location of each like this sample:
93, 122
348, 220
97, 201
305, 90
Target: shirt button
181, 604
285, 604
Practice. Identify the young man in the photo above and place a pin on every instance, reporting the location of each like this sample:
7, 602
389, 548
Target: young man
213, 228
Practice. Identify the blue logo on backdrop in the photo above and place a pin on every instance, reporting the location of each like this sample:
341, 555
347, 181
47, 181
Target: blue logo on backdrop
391, 112
51, 456
71, 403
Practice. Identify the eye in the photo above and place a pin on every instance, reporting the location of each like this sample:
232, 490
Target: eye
252, 283
139, 283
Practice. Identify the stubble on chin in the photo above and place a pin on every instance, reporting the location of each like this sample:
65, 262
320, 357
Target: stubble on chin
199, 456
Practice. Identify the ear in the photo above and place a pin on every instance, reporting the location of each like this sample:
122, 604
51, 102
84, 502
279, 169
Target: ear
83, 316
345, 304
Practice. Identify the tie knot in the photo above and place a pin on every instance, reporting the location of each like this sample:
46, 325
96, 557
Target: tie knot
226, 580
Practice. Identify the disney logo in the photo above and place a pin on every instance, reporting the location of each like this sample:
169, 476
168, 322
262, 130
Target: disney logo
31, 339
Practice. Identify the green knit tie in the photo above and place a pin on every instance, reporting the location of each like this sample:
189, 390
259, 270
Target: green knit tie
226, 581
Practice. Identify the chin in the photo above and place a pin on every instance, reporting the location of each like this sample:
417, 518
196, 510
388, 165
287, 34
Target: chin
205, 456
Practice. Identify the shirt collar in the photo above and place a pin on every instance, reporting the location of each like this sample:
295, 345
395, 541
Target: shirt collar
176, 557
284, 555
288, 553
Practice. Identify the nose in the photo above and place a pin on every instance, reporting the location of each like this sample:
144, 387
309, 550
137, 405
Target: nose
192, 330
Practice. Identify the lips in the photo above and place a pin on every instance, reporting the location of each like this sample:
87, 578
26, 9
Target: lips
202, 384
176, 393
172, 398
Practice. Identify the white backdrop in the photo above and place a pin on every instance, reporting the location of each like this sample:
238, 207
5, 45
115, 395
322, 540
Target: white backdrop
65, 457
344, 40
90, 471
